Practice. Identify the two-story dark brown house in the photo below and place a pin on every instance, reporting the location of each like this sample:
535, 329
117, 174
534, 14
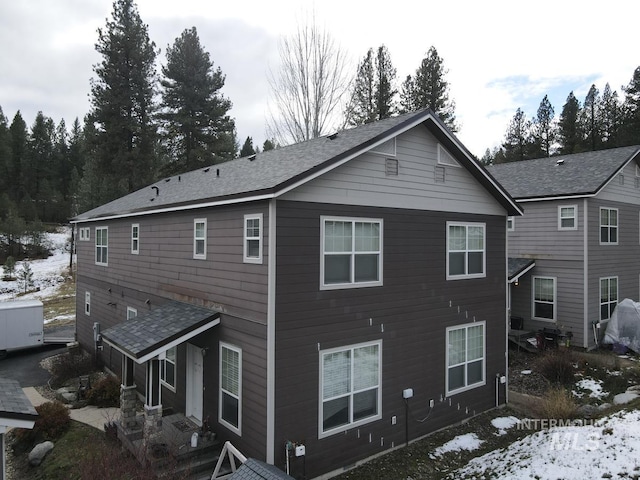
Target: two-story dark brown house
346, 294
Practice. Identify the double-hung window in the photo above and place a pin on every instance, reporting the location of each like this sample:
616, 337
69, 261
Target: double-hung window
544, 298
168, 368
131, 313
350, 387
200, 238
608, 226
135, 238
230, 413
608, 296
465, 250
465, 357
102, 245
567, 217
351, 252
253, 238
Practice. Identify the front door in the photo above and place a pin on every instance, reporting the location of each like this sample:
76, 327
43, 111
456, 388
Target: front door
193, 407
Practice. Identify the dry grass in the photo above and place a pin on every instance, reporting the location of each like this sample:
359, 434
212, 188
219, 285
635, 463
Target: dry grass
558, 403
63, 304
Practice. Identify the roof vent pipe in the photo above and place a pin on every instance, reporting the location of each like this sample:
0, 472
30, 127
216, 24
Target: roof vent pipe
252, 157
560, 161
156, 189
217, 172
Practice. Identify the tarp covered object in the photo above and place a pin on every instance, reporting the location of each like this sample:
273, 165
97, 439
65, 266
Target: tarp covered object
624, 325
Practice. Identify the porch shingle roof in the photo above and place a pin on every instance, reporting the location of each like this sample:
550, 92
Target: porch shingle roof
143, 335
254, 469
14, 404
518, 266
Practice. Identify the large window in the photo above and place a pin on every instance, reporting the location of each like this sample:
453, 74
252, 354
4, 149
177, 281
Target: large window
102, 245
465, 357
609, 225
544, 298
230, 387
608, 296
351, 252
350, 387
465, 250
135, 238
168, 368
253, 238
567, 217
200, 238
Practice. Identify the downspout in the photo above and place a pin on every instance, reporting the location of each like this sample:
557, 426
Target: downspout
507, 310
585, 274
271, 334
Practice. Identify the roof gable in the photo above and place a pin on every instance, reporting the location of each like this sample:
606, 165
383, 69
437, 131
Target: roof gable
272, 173
580, 174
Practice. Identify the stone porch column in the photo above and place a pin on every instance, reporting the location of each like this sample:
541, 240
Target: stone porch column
152, 431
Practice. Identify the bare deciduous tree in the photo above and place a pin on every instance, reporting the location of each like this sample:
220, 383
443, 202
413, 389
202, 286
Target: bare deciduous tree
309, 87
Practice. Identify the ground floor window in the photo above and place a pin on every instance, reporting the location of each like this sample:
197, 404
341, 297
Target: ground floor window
230, 386
608, 296
465, 357
168, 368
544, 298
350, 387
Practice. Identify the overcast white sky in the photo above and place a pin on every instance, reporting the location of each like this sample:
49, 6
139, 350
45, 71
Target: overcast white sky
500, 55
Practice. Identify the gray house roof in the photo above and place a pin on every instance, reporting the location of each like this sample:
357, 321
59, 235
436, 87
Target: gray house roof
254, 469
269, 174
580, 174
14, 404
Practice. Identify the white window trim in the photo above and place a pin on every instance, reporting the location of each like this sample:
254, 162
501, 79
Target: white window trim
352, 283
200, 256
555, 299
445, 157
85, 234
575, 217
484, 251
135, 240
484, 358
373, 418
133, 311
163, 366
87, 304
604, 320
233, 428
617, 226
392, 151
102, 246
245, 253
512, 221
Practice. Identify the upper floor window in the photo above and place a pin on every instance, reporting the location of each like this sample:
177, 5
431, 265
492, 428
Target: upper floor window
568, 217
544, 298
465, 250
351, 252
511, 224
350, 387
253, 238
135, 238
131, 313
87, 303
609, 225
168, 368
230, 387
608, 296
200, 238
85, 233
102, 245
465, 357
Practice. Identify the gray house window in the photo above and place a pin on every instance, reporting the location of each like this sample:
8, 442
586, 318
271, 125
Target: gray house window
253, 238
608, 226
350, 387
230, 413
351, 252
568, 217
135, 238
544, 298
200, 238
168, 369
102, 245
465, 250
608, 296
465, 357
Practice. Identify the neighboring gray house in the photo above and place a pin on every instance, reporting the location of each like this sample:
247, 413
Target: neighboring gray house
310, 295
578, 244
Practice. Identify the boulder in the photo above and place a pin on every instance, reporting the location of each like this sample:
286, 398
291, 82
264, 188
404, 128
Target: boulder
39, 452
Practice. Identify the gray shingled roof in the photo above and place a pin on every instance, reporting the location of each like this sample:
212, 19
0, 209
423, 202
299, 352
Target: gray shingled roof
271, 171
254, 469
518, 265
144, 334
14, 404
575, 175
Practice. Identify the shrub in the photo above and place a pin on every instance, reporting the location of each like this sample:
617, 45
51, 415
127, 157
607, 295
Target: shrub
105, 392
557, 366
67, 366
53, 420
558, 403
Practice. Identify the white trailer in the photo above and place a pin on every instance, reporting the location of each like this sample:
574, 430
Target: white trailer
21, 325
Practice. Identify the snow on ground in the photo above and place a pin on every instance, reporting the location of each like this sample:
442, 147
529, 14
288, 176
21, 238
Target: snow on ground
48, 273
468, 441
594, 387
606, 448
504, 423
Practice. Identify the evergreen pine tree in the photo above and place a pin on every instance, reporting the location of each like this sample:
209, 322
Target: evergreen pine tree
5, 154
630, 131
39, 164
569, 135
543, 130
517, 144
18, 160
590, 121
268, 145
199, 130
25, 276
385, 80
122, 104
610, 117
247, 148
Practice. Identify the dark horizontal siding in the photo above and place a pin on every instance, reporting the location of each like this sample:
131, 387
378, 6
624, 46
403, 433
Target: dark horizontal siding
409, 313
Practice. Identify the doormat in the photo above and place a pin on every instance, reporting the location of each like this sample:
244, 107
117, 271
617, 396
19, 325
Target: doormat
183, 425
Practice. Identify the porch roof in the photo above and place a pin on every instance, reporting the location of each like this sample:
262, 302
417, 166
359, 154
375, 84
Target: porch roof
147, 336
518, 267
15, 408
254, 469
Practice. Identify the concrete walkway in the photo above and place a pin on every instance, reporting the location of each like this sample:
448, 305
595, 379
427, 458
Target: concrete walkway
90, 415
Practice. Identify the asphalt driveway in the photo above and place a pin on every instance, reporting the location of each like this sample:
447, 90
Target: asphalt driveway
24, 365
